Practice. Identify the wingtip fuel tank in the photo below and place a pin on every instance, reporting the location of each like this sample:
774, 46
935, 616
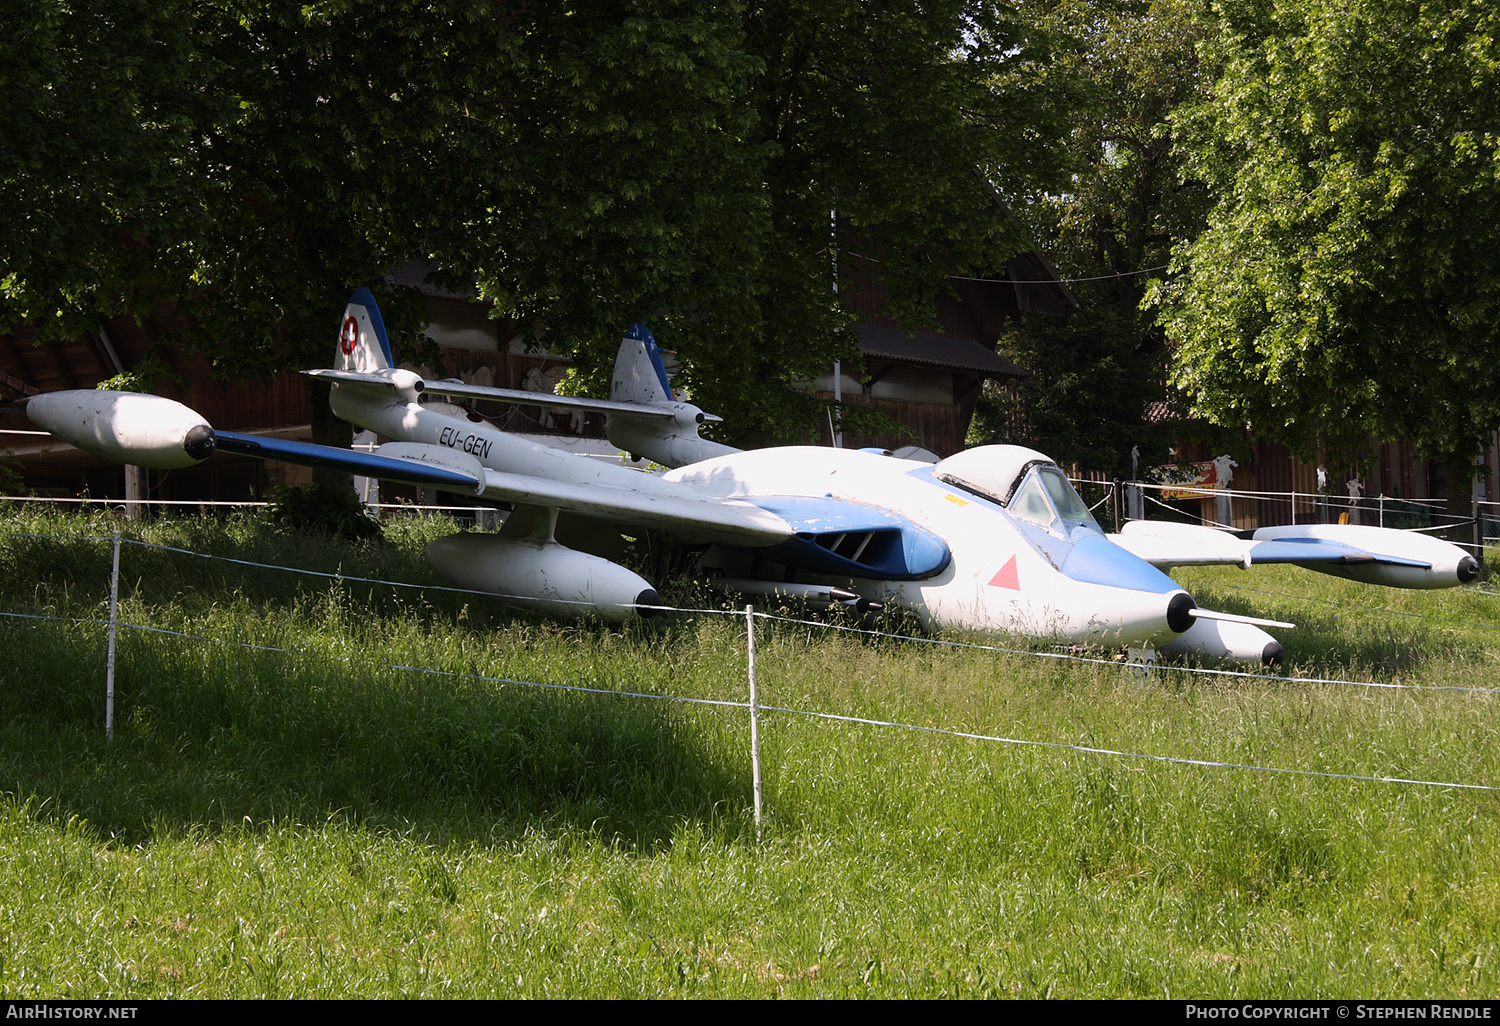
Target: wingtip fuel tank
127, 427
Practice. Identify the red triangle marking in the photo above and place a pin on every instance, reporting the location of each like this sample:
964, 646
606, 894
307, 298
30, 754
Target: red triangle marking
1007, 576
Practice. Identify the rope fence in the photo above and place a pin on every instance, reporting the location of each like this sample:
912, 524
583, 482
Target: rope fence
753, 705
524, 600
1378, 508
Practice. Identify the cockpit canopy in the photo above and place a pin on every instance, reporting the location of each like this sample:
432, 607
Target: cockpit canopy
1023, 480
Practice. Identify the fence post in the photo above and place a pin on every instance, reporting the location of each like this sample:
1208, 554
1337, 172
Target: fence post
109, 664
754, 716
1474, 487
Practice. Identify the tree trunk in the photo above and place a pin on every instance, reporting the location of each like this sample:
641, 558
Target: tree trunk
1458, 490
329, 430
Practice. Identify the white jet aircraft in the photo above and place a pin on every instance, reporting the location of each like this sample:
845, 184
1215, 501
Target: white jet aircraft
991, 539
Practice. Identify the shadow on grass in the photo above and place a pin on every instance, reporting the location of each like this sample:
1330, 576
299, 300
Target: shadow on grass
220, 737
68, 560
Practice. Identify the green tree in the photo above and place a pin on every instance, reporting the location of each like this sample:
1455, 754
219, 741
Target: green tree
572, 160
1348, 280
1098, 385
576, 161
100, 179
587, 165
908, 120
905, 119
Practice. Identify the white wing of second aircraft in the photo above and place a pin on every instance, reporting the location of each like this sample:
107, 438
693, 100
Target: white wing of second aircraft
1166, 545
459, 390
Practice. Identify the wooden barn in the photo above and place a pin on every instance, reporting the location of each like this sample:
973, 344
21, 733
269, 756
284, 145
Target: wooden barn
930, 380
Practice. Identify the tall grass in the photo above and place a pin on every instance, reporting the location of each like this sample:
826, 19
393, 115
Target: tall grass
315, 822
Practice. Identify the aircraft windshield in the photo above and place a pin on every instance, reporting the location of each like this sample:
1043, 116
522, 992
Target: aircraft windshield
1030, 503
1047, 495
1069, 505
1023, 480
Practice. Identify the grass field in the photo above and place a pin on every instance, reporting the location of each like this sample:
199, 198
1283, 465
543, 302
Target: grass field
315, 823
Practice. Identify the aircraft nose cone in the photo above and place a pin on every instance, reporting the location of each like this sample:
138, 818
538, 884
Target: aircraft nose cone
1468, 569
1272, 654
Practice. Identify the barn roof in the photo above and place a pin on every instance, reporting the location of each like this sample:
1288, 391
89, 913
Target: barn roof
940, 351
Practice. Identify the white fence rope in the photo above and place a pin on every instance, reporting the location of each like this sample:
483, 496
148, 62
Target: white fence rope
945, 642
1449, 522
375, 664
753, 705
392, 507
1475, 589
1128, 755
1371, 503
1340, 501
112, 503
1194, 516
1074, 657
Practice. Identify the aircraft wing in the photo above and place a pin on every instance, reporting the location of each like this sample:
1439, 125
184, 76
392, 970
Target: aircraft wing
1375, 555
423, 474
151, 431
648, 502
1167, 545
695, 517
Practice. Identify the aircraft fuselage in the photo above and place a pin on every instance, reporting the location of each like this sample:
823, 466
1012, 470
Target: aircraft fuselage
1065, 580
1005, 574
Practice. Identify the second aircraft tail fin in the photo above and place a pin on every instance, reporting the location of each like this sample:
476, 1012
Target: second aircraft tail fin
640, 376
362, 342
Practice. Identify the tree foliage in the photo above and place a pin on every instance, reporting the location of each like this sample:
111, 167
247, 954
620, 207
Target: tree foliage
588, 165
902, 117
100, 181
1098, 384
1348, 279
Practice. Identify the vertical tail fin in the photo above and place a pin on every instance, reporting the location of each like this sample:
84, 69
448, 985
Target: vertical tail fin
362, 342
640, 376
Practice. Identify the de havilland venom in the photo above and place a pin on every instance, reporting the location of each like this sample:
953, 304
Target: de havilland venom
992, 539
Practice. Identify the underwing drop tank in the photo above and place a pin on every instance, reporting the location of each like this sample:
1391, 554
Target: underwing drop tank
546, 578
1396, 559
1221, 641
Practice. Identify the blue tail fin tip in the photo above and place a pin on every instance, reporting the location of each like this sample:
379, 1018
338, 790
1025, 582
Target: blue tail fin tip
641, 333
